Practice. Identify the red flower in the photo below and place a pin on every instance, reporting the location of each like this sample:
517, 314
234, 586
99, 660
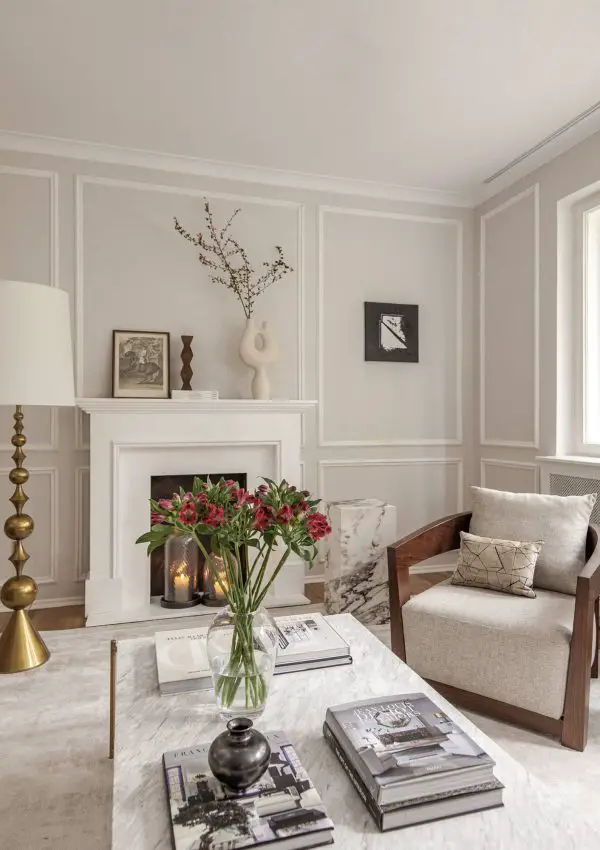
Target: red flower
156, 519
284, 514
215, 515
202, 499
262, 520
187, 514
318, 526
165, 504
230, 482
242, 497
301, 507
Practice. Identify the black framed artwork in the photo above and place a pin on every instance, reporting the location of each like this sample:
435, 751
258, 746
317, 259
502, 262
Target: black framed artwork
141, 364
392, 332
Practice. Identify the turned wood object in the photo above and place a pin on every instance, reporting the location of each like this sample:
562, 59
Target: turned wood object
186, 358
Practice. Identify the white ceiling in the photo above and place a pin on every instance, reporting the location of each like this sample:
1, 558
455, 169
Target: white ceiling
435, 94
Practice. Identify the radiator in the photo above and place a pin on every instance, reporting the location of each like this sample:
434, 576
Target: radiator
561, 484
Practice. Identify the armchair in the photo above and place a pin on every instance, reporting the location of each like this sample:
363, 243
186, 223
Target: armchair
525, 661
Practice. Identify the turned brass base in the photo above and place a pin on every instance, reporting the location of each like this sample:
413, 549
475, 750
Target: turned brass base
21, 647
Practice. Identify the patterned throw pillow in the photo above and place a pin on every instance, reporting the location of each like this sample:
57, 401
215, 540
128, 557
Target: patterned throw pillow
505, 565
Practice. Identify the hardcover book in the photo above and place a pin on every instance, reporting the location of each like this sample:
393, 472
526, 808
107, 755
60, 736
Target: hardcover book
405, 746
306, 642
420, 809
282, 810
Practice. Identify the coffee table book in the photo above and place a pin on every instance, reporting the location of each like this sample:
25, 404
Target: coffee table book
282, 810
461, 801
405, 747
306, 642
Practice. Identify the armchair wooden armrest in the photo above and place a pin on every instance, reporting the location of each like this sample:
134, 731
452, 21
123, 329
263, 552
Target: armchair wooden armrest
585, 620
438, 537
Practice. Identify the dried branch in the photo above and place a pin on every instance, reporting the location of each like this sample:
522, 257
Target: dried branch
225, 257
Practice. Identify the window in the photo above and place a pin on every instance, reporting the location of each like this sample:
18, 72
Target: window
586, 328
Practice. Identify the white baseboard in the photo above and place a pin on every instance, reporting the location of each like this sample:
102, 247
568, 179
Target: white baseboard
60, 602
314, 578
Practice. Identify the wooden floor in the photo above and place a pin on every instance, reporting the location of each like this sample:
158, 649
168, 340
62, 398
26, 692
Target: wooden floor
72, 616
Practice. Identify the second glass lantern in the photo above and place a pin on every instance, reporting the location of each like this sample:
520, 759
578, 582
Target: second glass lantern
182, 585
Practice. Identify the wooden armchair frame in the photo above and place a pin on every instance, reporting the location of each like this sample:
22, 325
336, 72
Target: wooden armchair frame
443, 536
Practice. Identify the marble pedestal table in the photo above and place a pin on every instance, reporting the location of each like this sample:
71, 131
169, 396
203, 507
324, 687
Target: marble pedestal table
356, 573
147, 725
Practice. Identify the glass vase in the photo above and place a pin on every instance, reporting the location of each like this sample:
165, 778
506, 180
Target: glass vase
242, 650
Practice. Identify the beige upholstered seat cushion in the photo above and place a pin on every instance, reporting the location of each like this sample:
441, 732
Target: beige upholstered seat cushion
560, 521
509, 648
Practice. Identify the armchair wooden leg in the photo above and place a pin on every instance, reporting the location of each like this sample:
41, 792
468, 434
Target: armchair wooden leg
597, 633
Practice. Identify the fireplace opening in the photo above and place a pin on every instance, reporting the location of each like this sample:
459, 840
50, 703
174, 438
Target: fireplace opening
163, 487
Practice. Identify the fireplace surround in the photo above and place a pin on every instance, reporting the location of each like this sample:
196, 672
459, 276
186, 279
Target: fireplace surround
132, 440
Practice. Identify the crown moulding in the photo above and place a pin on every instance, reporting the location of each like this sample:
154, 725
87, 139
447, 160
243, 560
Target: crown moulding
181, 164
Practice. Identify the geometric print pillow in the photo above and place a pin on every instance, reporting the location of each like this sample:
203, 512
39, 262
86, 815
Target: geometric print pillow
504, 565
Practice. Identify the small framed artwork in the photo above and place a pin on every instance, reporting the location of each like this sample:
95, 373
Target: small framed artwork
141, 364
392, 332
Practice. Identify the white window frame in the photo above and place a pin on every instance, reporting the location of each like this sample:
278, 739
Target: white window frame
585, 349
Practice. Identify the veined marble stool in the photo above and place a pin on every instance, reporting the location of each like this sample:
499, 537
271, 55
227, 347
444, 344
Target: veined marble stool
356, 575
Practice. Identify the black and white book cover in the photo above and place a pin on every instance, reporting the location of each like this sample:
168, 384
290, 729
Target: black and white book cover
283, 809
305, 641
308, 637
405, 737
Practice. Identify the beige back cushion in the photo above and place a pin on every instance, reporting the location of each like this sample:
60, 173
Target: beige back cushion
560, 521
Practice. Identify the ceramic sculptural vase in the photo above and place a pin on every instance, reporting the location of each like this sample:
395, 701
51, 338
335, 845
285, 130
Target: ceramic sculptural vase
258, 358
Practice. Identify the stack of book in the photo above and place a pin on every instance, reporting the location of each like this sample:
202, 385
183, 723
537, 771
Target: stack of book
306, 642
282, 810
409, 761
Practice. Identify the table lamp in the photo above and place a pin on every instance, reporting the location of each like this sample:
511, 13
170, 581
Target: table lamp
36, 368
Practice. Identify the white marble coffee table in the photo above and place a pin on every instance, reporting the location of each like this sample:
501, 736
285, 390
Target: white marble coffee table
148, 725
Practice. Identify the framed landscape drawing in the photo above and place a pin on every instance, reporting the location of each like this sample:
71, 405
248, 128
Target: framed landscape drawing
140, 364
392, 332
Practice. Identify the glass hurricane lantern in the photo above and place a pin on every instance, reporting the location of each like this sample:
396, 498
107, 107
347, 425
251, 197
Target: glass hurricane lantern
181, 571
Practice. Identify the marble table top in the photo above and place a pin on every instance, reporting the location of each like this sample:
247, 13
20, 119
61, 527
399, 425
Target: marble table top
149, 724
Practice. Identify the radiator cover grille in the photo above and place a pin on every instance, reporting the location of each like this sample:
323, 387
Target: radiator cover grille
574, 485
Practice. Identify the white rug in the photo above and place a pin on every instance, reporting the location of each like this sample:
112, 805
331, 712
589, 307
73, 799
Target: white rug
56, 779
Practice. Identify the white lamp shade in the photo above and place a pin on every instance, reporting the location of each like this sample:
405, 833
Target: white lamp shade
36, 358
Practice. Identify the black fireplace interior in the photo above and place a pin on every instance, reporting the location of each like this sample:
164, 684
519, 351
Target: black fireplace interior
163, 487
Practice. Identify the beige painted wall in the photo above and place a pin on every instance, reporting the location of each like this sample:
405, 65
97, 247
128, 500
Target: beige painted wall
524, 254
104, 233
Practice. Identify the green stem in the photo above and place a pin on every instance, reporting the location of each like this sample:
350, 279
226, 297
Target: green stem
276, 572
255, 590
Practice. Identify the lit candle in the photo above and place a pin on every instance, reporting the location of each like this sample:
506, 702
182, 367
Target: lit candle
221, 586
181, 587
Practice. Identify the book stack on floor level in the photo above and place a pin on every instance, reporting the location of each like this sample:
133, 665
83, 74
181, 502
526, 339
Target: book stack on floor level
306, 642
282, 810
409, 762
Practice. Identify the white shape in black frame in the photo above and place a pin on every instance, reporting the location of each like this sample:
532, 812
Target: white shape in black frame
391, 332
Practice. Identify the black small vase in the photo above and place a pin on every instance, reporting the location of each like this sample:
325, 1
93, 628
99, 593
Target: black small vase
240, 756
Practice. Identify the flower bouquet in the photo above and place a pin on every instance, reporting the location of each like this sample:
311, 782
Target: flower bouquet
251, 534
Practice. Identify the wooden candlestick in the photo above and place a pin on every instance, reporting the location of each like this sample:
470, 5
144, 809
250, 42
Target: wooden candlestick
186, 358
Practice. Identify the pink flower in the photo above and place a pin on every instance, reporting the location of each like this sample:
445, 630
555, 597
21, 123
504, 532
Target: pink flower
262, 520
202, 499
242, 497
317, 526
215, 515
284, 514
188, 514
187, 497
165, 504
262, 488
156, 519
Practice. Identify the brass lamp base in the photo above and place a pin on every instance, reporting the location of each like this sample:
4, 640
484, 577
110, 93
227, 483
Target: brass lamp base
21, 647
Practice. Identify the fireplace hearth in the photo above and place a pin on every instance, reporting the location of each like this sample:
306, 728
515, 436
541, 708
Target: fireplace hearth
163, 487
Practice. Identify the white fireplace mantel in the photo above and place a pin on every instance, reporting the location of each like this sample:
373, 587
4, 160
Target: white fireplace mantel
223, 405
133, 439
